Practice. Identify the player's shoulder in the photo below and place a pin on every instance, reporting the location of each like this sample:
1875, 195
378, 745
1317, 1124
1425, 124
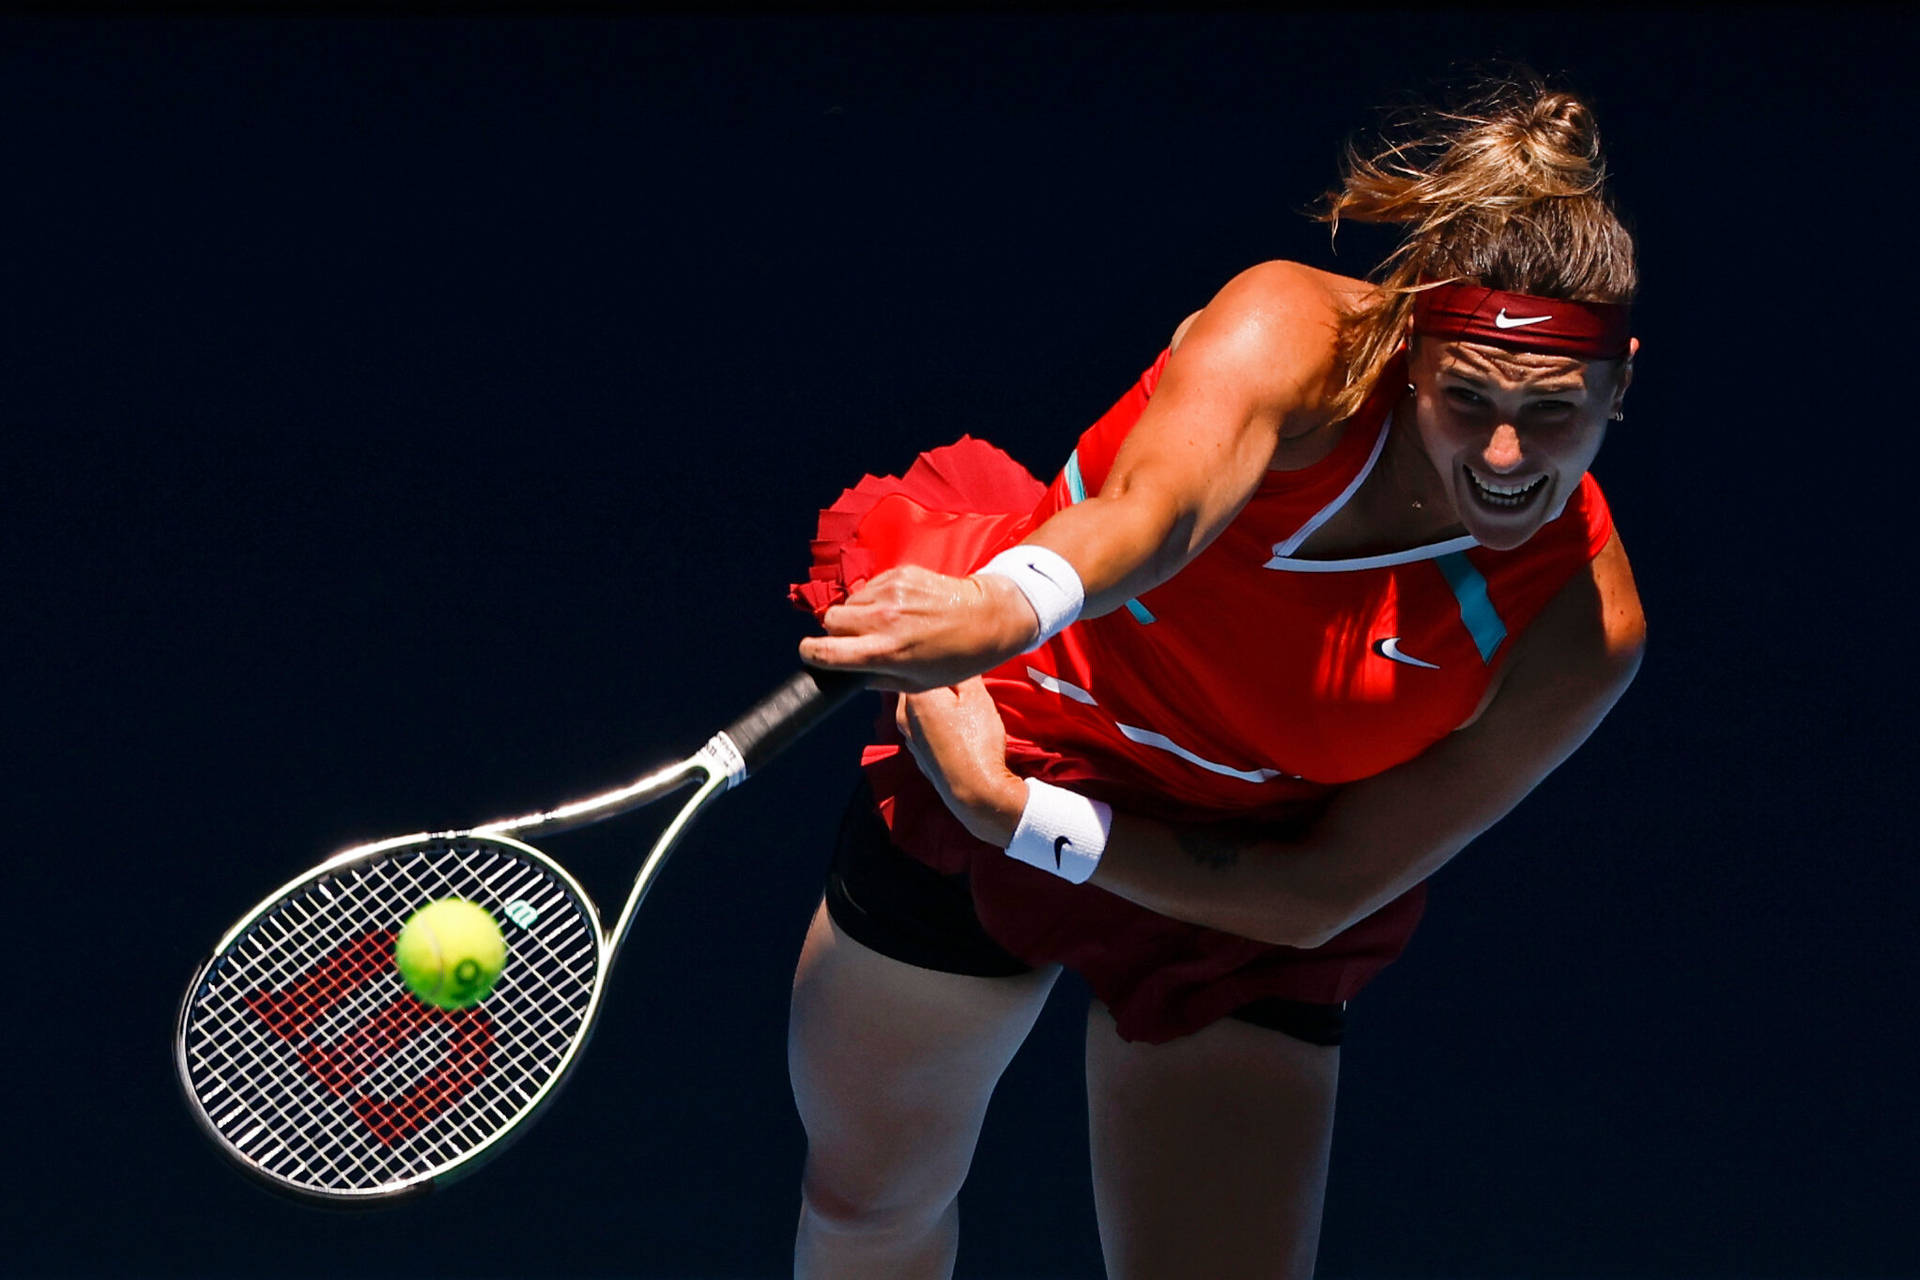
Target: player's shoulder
1295, 284
1276, 323
1284, 293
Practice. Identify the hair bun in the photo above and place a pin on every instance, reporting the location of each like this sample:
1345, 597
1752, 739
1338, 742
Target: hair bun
1535, 142
1560, 136
1567, 119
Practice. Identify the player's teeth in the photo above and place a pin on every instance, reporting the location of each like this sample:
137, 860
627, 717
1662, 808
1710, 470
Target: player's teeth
1505, 495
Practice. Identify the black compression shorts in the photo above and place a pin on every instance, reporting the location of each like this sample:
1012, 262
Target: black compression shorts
890, 902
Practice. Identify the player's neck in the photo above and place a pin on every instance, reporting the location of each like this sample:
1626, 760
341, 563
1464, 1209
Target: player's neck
1402, 504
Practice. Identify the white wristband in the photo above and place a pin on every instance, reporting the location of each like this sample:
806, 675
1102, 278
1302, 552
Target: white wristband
1061, 831
1047, 581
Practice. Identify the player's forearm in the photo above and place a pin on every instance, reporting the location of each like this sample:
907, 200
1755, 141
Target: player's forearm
1295, 893
1287, 893
1120, 546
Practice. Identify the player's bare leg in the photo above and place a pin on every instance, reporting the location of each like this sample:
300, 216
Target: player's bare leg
1210, 1151
892, 1067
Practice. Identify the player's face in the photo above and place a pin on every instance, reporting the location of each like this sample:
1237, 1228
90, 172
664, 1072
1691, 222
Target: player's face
1511, 432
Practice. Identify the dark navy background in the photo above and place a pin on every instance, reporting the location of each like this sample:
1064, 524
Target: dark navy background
410, 422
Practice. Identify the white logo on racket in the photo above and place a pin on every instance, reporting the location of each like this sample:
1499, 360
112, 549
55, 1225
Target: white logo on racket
724, 758
521, 912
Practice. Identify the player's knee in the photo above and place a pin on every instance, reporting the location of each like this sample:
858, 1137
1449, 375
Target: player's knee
865, 1206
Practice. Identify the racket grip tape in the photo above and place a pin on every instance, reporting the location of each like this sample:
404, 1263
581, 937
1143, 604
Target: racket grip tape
807, 698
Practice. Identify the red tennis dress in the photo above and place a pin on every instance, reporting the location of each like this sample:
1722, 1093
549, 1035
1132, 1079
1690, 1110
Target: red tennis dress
1248, 688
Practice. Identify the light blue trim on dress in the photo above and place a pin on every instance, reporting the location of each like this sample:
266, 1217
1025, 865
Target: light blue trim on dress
1076, 486
1077, 490
1476, 610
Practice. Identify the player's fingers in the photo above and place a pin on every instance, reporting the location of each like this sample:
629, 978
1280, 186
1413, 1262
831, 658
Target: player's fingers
971, 692
848, 619
915, 709
918, 716
872, 656
846, 652
875, 618
889, 586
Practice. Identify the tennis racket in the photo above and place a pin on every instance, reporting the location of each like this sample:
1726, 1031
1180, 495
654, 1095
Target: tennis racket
306, 1060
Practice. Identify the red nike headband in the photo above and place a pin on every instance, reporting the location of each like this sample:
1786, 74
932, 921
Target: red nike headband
1475, 313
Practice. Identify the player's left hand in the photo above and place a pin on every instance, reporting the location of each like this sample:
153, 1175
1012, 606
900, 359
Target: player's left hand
958, 739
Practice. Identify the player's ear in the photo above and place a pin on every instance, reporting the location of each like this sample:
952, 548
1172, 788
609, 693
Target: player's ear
1626, 378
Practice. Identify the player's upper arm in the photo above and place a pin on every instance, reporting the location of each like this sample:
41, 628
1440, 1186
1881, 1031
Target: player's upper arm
1387, 833
1250, 368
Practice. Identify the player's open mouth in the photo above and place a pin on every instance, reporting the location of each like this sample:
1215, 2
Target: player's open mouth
1506, 497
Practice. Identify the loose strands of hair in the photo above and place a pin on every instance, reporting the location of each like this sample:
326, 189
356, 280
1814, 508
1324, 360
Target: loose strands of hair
1507, 190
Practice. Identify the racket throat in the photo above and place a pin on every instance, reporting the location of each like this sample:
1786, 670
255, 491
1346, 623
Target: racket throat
713, 784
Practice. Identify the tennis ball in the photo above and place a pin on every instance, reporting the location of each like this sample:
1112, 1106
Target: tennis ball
450, 953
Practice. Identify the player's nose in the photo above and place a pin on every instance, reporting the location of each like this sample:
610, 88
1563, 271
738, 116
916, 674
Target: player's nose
1502, 453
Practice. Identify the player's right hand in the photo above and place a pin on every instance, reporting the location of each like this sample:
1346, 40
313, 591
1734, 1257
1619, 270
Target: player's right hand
910, 629
959, 741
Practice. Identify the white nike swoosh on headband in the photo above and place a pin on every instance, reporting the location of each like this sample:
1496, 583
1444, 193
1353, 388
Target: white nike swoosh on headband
1502, 322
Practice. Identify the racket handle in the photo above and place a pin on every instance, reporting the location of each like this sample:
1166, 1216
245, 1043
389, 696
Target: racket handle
806, 699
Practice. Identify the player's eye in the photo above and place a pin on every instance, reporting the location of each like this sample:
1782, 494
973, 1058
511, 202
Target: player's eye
1465, 398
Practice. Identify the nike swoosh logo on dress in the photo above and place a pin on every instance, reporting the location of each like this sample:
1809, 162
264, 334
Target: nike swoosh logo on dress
1389, 647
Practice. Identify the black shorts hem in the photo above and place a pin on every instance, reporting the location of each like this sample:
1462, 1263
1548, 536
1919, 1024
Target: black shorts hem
1321, 1024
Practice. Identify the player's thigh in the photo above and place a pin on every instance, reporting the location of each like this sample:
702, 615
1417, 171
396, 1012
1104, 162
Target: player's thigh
892, 1067
1210, 1151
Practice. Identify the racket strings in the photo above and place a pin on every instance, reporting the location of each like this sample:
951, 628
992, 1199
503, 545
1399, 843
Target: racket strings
368, 1049
314, 1064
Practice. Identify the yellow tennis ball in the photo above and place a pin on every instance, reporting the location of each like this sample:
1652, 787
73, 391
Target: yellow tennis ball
450, 953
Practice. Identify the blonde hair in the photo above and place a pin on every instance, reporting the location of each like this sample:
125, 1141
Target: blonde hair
1506, 190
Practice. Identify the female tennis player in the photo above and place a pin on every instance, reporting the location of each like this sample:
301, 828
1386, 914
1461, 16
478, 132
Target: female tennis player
1318, 601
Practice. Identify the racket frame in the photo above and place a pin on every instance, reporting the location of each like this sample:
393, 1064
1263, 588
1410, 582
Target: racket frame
745, 745
709, 767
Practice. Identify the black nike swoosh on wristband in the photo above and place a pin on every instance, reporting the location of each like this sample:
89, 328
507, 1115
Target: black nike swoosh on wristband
1058, 843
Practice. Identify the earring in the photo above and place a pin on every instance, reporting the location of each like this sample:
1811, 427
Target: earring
1412, 390
1619, 415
